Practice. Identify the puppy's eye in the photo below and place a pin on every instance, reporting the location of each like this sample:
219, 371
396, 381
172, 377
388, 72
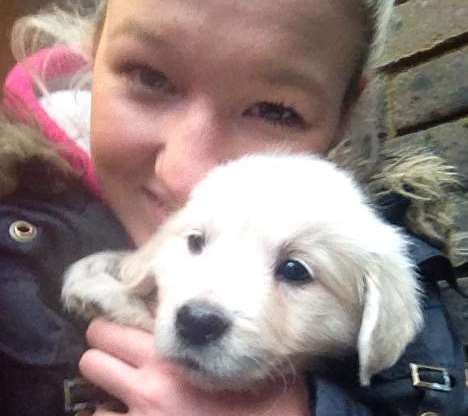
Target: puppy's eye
196, 242
293, 271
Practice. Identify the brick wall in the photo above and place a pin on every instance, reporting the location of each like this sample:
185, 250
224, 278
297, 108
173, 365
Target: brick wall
422, 91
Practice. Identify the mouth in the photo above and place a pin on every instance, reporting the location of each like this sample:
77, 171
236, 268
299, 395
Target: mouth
153, 196
216, 374
189, 364
161, 198
196, 368
158, 204
199, 375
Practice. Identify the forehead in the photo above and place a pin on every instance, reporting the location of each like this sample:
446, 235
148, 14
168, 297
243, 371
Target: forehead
294, 13
308, 20
288, 29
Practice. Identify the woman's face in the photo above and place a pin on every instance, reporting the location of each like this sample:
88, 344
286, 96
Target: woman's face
181, 86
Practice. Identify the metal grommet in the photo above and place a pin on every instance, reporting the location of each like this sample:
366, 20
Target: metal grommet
429, 414
23, 231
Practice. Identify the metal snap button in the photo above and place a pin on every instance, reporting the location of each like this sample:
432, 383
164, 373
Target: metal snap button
23, 231
429, 414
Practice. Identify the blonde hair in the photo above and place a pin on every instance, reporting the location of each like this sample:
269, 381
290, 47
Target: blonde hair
73, 25
379, 12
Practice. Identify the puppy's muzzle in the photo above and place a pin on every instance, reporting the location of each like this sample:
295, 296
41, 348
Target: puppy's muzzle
201, 323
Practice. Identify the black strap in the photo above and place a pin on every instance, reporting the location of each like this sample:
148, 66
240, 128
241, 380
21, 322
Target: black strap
438, 268
433, 402
461, 271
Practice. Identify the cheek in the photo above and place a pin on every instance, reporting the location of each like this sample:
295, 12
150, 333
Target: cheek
119, 138
123, 154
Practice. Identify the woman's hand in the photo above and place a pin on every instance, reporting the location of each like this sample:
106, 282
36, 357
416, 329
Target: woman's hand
123, 363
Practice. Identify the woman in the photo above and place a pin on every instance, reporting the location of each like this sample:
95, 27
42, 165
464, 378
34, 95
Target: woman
179, 87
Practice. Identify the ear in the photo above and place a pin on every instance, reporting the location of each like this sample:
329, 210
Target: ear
391, 315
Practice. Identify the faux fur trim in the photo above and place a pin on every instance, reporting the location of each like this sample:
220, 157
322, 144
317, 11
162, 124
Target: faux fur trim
29, 162
424, 179
30, 82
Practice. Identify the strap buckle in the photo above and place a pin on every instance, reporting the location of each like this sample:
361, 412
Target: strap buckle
74, 399
80, 395
420, 374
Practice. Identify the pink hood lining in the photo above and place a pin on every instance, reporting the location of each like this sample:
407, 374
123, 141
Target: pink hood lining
20, 97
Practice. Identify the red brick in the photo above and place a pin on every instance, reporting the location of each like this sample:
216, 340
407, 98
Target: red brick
449, 140
370, 114
421, 25
430, 92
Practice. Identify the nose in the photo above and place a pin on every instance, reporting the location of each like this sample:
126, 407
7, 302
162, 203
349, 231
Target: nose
194, 143
200, 323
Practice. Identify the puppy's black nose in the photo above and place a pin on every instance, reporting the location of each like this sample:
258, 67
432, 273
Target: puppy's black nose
199, 323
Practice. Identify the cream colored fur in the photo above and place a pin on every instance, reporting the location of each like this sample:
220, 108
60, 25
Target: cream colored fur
253, 214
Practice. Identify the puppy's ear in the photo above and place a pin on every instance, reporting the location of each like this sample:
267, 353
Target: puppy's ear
391, 315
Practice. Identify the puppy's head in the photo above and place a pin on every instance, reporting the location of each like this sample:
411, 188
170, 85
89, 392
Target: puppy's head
276, 260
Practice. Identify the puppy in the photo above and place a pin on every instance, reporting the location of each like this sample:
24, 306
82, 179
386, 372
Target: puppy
275, 262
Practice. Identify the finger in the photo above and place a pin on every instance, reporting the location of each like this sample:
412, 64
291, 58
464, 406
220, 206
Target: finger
104, 412
109, 373
132, 345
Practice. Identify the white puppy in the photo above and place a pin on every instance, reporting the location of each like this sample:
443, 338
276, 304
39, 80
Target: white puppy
274, 262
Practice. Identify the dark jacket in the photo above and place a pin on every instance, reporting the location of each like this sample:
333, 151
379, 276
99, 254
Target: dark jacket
40, 345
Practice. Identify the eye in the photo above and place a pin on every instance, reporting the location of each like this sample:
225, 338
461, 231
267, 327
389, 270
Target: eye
195, 243
146, 78
276, 114
293, 271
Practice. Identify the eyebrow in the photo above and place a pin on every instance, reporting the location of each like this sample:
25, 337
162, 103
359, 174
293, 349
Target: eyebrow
291, 77
280, 76
142, 34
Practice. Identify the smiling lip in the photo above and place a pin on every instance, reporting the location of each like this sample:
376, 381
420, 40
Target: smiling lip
160, 204
156, 205
153, 196
161, 196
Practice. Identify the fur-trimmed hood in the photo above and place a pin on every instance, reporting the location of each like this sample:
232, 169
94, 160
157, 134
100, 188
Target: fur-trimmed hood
37, 91
424, 183
29, 162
